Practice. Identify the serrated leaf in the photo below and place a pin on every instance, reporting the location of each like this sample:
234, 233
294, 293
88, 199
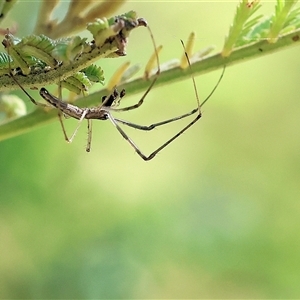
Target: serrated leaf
279, 19
5, 60
293, 19
256, 33
97, 26
78, 83
66, 50
38, 46
94, 73
101, 31
241, 25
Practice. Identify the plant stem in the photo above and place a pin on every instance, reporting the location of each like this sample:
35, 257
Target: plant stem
40, 117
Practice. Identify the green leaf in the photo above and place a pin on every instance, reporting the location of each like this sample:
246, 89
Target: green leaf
39, 47
94, 73
77, 83
66, 50
280, 18
241, 25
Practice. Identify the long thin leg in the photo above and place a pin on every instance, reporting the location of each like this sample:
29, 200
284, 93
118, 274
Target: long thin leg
141, 101
62, 126
153, 154
43, 105
193, 79
78, 125
69, 140
188, 114
141, 127
59, 114
68, 109
127, 138
13, 77
27, 94
156, 75
152, 126
89, 141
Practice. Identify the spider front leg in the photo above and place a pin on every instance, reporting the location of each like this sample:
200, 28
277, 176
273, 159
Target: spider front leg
115, 121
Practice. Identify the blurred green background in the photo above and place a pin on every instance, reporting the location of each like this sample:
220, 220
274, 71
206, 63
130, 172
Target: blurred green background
215, 215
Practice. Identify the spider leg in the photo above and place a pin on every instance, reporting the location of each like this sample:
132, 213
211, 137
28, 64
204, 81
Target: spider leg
85, 111
152, 126
65, 108
27, 94
7, 47
164, 145
69, 140
172, 119
126, 137
89, 141
59, 115
141, 101
155, 77
136, 148
115, 121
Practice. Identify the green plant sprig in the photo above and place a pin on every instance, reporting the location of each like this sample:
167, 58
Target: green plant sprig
253, 44
45, 61
281, 19
241, 24
40, 117
245, 30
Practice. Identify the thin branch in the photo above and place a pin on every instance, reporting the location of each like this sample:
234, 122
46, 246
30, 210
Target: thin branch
40, 117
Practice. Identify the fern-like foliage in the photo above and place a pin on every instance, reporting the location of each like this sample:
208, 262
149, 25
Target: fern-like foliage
241, 24
281, 20
71, 60
243, 31
43, 60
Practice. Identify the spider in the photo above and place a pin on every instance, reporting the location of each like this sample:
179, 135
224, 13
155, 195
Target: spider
109, 105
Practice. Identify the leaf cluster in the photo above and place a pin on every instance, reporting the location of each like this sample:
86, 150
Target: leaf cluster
247, 29
69, 61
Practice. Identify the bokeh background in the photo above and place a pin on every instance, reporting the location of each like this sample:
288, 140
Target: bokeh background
215, 215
